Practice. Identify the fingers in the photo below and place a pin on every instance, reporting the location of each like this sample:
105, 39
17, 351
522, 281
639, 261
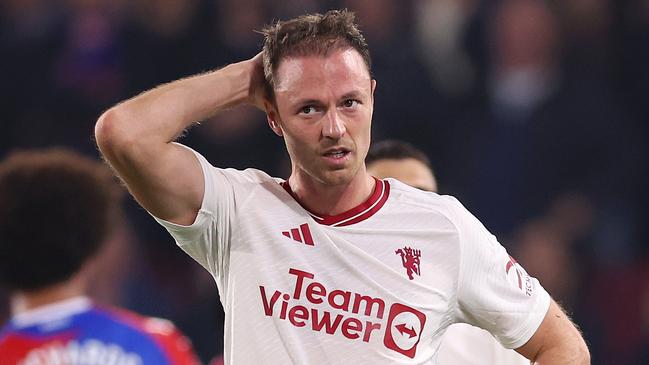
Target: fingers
257, 91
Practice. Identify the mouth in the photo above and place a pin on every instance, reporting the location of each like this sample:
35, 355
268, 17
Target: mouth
337, 157
337, 153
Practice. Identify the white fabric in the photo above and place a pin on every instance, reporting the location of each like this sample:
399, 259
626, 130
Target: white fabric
51, 312
463, 344
278, 293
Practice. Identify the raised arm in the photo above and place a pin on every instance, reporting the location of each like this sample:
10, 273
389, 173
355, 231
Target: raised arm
137, 136
557, 341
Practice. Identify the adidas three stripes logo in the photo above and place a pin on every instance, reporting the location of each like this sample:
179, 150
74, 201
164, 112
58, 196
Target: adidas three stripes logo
301, 234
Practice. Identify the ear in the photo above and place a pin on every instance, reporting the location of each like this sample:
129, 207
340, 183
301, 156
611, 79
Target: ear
272, 117
373, 89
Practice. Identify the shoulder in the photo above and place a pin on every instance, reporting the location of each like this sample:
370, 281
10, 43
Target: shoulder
404, 199
240, 182
137, 322
160, 332
247, 175
238, 185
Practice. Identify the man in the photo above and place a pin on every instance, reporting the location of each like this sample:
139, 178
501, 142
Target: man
401, 161
462, 343
330, 265
57, 209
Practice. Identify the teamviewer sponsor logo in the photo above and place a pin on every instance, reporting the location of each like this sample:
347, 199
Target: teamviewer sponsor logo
404, 329
354, 316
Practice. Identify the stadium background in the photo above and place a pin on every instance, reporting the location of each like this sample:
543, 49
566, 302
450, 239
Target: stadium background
535, 115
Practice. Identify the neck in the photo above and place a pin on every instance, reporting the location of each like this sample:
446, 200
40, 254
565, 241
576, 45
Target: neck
332, 199
23, 301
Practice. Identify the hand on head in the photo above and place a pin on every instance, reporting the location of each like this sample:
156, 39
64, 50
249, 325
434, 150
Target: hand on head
257, 90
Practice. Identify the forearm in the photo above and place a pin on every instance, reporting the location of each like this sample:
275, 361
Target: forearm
135, 138
556, 341
577, 355
160, 115
566, 347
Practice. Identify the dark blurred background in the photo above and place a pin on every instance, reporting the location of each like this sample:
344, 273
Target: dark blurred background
534, 113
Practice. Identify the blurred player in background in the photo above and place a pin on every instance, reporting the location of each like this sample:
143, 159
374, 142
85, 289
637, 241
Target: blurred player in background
330, 266
57, 210
462, 344
402, 161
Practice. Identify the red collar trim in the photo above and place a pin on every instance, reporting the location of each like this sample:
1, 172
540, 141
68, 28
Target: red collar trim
357, 214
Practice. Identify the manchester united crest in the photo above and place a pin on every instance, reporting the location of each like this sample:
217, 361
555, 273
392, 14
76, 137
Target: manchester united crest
410, 260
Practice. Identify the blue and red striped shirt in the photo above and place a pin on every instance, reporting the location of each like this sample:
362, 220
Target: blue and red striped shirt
78, 332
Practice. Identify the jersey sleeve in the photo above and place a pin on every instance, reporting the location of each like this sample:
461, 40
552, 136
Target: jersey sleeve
494, 292
207, 239
484, 348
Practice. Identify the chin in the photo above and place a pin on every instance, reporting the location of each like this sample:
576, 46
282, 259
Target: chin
337, 177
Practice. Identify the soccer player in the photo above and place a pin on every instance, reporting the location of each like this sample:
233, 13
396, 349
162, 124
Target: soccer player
57, 209
330, 266
402, 161
462, 344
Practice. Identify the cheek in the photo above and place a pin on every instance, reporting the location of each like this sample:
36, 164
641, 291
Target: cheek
297, 142
303, 132
363, 133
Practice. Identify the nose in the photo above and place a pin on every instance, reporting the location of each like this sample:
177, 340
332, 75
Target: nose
333, 125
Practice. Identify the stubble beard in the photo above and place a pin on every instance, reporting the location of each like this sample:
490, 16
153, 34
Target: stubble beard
333, 177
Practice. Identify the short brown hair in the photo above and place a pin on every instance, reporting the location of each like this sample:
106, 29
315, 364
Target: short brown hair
312, 34
56, 209
396, 150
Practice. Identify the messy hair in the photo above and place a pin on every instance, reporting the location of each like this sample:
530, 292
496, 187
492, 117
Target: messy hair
395, 150
57, 208
313, 34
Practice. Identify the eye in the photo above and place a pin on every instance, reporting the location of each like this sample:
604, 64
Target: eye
308, 110
350, 103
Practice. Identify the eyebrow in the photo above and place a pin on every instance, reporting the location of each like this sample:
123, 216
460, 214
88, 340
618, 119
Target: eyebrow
307, 102
354, 94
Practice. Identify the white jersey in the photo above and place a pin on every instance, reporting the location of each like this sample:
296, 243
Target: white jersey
377, 284
463, 344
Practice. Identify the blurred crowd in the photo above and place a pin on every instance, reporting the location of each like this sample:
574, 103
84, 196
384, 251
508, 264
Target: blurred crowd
534, 114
